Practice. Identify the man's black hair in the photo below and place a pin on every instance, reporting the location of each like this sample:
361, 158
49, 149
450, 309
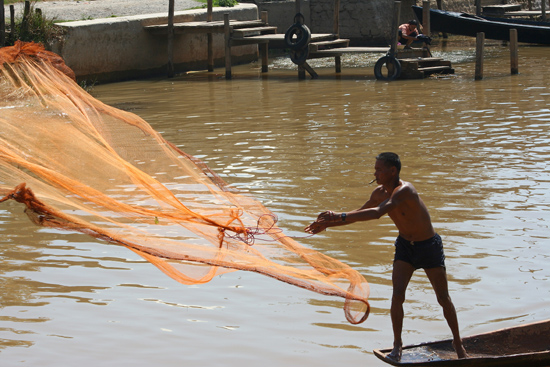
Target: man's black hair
390, 159
413, 21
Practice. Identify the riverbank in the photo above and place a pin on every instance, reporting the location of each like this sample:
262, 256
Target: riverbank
69, 10
121, 48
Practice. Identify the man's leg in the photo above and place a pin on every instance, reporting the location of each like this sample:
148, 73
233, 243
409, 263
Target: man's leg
402, 273
438, 278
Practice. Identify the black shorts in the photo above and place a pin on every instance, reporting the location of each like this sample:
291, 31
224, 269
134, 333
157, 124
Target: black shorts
425, 254
404, 40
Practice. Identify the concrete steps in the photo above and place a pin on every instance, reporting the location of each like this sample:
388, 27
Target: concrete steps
327, 45
204, 27
253, 31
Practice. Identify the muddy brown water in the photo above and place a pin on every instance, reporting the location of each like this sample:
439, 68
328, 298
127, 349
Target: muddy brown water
477, 152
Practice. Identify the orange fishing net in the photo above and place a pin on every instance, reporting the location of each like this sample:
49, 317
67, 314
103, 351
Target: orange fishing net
78, 164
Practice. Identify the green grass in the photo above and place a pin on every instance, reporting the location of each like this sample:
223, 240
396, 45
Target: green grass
34, 27
223, 3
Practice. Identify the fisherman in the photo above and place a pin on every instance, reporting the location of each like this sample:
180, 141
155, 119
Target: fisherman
417, 246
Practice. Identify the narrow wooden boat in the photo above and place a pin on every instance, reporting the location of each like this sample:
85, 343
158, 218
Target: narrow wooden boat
524, 345
494, 28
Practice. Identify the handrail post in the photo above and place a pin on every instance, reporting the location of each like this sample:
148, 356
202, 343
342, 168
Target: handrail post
227, 33
12, 23
426, 27
336, 24
210, 38
395, 27
514, 68
2, 24
170, 42
264, 51
480, 43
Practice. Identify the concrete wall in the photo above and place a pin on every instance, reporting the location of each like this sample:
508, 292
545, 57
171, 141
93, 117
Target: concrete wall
360, 21
363, 22
281, 13
115, 49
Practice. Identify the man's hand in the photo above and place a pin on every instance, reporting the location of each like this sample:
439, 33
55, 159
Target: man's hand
322, 222
315, 227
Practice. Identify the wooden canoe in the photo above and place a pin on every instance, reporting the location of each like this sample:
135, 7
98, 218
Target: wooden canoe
524, 345
498, 29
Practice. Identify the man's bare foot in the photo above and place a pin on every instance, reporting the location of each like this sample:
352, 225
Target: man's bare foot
459, 349
396, 353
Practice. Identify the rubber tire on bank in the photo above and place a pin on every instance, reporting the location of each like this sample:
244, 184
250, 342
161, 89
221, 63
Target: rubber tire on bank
392, 64
299, 56
302, 33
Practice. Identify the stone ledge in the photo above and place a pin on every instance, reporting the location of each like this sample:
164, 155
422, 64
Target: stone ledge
115, 49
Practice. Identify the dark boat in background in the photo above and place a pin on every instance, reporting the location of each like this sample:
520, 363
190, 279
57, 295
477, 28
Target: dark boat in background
494, 28
521, 346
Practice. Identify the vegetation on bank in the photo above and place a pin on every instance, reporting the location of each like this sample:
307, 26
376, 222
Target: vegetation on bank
31, 25
217, 3
223, 3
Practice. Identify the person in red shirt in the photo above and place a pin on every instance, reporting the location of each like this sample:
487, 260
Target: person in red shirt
408, 33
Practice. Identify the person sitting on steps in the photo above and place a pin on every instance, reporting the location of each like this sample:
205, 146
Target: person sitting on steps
408, 33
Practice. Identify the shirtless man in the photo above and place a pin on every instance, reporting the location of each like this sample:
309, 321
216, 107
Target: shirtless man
418, 246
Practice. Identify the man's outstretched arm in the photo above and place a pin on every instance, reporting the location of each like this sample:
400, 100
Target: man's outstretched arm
366, 212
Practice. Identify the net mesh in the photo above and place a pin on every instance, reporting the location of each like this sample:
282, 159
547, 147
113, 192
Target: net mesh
78, 164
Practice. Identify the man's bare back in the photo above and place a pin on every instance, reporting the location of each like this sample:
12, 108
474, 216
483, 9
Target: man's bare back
409, 214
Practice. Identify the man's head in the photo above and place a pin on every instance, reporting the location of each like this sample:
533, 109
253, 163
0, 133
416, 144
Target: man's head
413, 23
390, 160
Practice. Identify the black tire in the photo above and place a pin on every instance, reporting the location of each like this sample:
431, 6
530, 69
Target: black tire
299, 56
297, 36
391, 65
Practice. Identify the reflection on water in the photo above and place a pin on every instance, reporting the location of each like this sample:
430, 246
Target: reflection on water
478, 152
